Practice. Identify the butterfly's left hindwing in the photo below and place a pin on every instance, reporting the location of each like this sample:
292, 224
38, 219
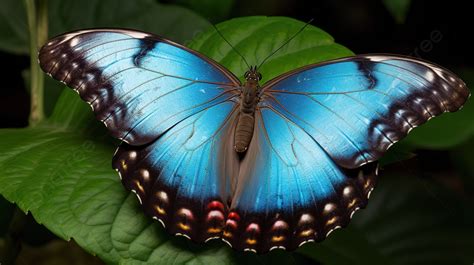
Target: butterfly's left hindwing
138, 85
182, 178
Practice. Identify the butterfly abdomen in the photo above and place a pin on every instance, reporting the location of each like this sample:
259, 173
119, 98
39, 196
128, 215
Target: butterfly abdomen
246, 120
244, 131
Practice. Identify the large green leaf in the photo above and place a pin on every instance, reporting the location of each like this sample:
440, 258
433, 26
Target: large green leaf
13, 27
256, 37
61, 172
172, 21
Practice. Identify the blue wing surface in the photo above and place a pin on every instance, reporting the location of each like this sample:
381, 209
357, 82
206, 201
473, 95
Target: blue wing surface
357, 107
172, 107
139, 85
182, 178
289, 191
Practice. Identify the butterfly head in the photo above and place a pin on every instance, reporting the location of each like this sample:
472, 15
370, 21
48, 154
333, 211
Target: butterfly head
253, 75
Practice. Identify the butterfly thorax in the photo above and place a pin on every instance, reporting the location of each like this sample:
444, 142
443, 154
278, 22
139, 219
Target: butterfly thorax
248, 102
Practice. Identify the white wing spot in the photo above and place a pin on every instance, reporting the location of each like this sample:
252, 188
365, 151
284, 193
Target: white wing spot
329, 208
429, 76
145, 174
132, 155
138, 196
306, 218
353, 212
74, 42
332, 230
305, 242
277, 247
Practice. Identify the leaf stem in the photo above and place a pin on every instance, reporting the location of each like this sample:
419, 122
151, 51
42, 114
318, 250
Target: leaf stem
42, 22
37, 14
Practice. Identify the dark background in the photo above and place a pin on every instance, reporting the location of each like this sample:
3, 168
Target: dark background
439, 31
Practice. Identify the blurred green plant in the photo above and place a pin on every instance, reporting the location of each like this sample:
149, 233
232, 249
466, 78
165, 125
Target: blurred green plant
59, 170
213, 10
398, 9
174, 22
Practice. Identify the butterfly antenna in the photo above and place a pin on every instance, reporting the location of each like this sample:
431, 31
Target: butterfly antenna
285, 43
236, 51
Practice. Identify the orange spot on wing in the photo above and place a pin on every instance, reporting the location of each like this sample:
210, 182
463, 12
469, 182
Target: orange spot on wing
160, 210
352, 203
307, 232
331, 221
251, 241
214, 230
278, 238
184, 226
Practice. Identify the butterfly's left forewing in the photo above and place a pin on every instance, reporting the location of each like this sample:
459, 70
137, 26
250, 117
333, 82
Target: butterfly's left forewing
139, 85
173, 108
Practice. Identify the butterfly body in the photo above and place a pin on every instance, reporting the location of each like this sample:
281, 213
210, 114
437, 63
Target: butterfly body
264, 167
248, 103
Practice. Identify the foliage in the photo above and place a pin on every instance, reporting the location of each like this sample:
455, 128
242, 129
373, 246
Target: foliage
60, 170
213, 10
174, 22
398, 9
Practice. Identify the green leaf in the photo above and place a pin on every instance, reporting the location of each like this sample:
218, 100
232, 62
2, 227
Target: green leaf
257, 37
212, 10
397, 153
61, 172
172, 21
462, 157
13, 27
398, 9
408, 221
449, 129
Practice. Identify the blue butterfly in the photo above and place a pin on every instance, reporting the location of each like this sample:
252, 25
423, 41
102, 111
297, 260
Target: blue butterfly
262, 167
